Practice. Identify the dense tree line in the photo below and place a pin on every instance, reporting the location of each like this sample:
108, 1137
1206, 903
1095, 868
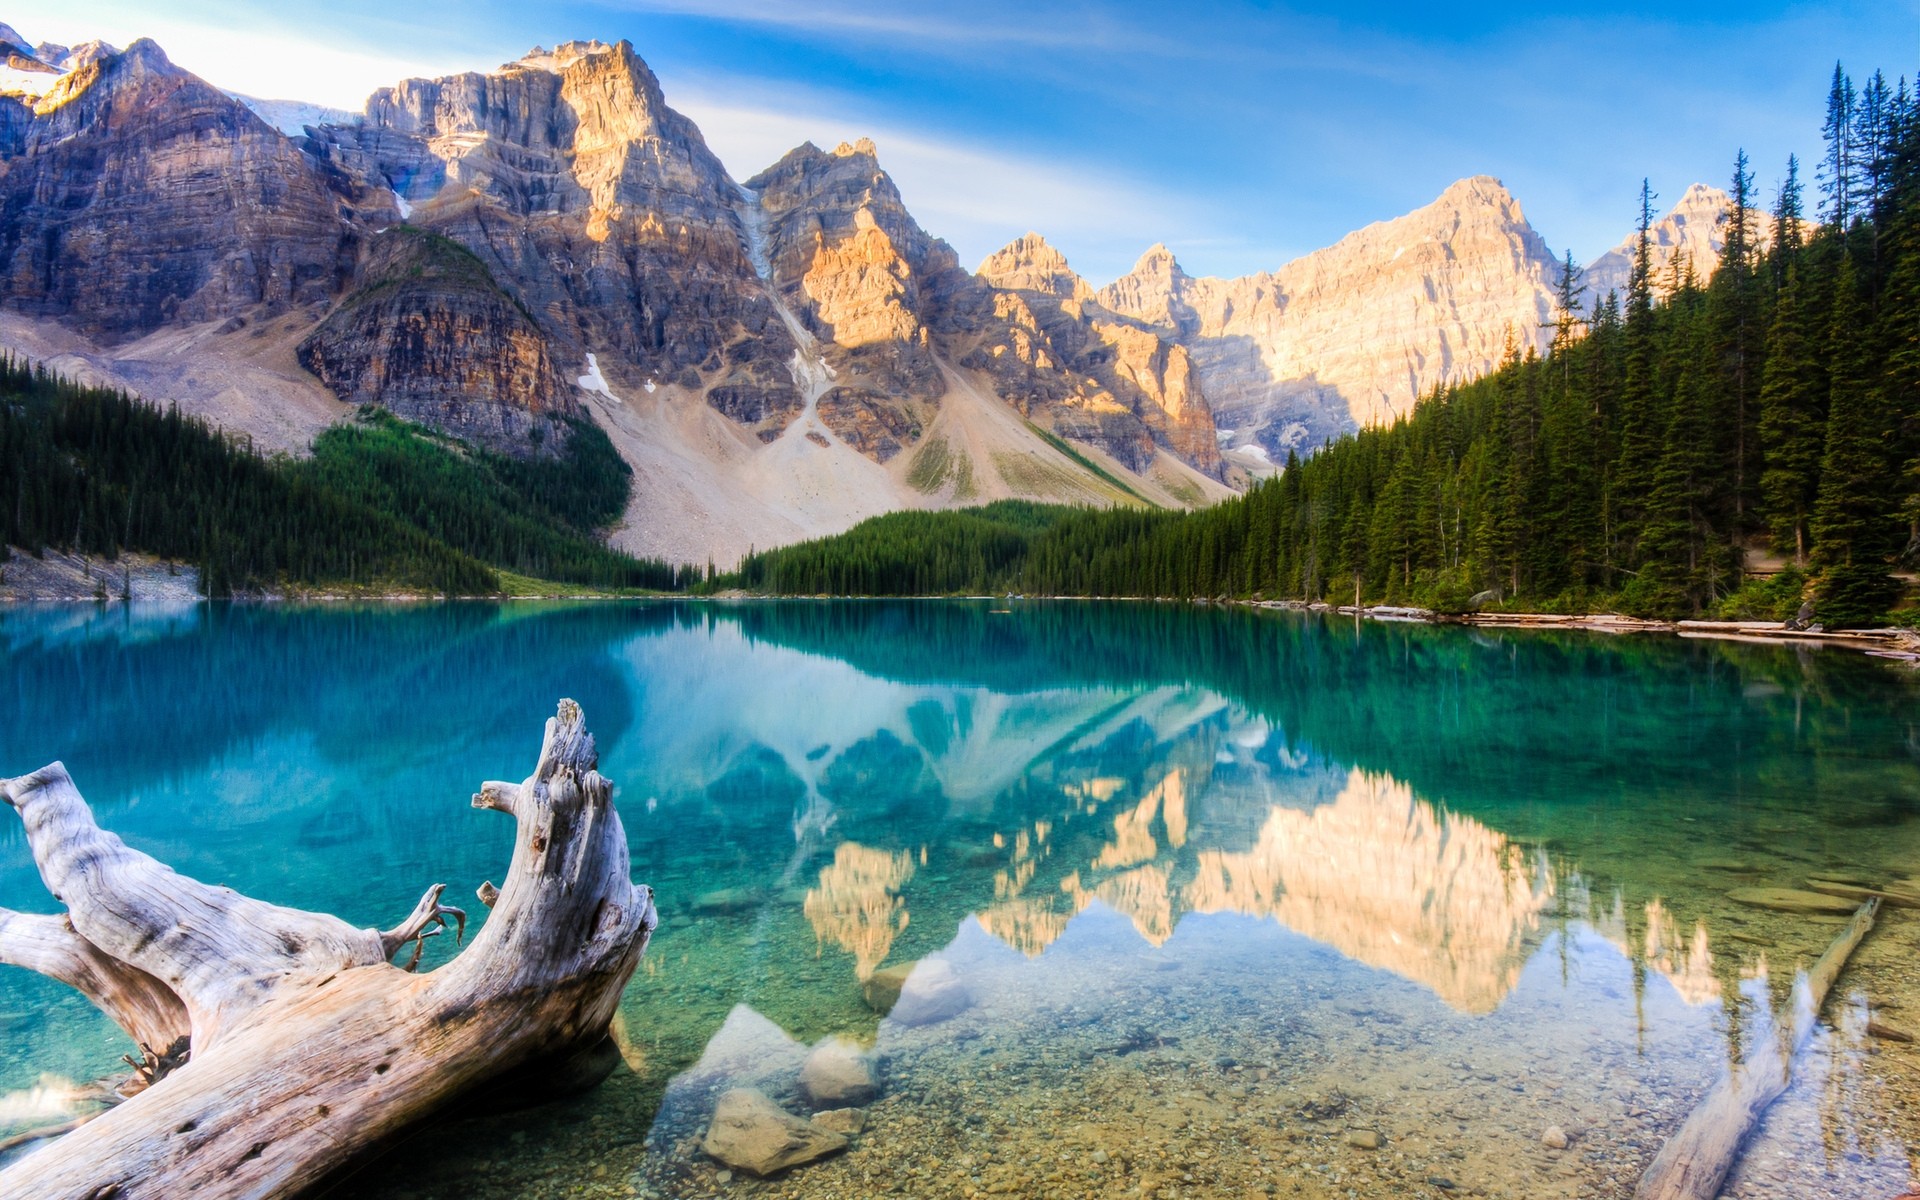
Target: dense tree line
380, 504
535, 516
1664, 440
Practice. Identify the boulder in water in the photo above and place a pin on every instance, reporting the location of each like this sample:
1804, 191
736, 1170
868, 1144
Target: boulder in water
751, 1133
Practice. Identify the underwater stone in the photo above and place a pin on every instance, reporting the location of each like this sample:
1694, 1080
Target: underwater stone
1789, 900
837, 1074
932, 993
847, 1121
751, 1133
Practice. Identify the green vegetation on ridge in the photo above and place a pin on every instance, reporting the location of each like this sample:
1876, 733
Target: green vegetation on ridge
381, 504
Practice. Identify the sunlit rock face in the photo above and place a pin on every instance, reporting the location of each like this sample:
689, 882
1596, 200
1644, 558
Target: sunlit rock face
1101, 376
847, 258
135, 195
429, 333
597, 205
1355, 334
1686, 242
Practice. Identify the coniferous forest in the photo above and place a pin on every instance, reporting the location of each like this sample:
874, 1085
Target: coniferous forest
1668, 443
380, 504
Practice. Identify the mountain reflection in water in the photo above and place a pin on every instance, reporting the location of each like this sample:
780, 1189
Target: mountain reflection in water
1450, 885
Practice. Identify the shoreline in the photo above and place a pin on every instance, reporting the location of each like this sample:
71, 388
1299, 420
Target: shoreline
1898, 644
1902, 644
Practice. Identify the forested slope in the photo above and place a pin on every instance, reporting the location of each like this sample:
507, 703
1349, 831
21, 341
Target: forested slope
381, 504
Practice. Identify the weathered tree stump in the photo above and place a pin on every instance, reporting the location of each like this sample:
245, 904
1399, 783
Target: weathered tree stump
299, 1046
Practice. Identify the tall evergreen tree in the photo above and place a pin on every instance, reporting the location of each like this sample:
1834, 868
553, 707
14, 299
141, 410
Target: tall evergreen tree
1855, 530
1836, 172
1639, 439
1738, 347
1792, 418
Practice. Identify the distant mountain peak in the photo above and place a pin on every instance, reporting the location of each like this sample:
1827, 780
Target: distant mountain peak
565, 55
1031, 264
1690, 235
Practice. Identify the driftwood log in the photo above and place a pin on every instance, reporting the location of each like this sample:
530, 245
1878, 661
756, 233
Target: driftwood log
282, 1045
1695, 1161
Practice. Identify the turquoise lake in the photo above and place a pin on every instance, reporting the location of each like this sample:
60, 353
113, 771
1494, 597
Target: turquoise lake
1233, 902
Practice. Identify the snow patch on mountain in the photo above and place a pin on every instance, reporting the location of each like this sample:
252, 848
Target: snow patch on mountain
292, 117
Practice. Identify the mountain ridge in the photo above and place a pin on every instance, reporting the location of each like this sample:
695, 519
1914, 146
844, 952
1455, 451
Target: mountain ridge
775, 358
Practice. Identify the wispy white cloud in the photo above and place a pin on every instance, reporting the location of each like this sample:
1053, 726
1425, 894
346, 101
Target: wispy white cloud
250, 57
977, 197
979, 25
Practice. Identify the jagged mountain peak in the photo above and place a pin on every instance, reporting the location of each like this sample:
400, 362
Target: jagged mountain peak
1158, 258
565, 55
1031, 264
1690, 236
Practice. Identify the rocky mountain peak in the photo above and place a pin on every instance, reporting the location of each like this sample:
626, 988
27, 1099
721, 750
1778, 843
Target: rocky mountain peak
564, 55
1155, 291
1356, 333
138, 195
1031, 264
1689, 237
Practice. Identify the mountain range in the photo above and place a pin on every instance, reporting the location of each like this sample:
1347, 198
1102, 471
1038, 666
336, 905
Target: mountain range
500, 255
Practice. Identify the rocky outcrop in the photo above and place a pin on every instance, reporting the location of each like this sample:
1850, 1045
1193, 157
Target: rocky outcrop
598, 206
1098, 376
1687, 241
137, 196
429, 334
845, 258
1355, 334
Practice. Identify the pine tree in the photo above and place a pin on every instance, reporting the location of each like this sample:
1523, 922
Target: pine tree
1733, 308
1789, 223
1855, 528
1639, 438
1836, 174
1792, 418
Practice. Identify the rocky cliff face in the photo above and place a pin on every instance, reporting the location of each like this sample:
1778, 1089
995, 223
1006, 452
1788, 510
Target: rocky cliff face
429, 333
844, 257
1688, 239
1112, 380
1355, 334
134, 195
599, 207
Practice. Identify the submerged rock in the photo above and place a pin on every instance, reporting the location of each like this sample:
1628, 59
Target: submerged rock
1555, 1138
727, 900
1363, 1139
881, 990
848, 1121
1789, 900
837, 1074
751, 1133
930, 992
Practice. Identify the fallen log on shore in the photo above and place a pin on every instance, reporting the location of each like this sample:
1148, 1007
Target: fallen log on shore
282, 1045
1695, 1161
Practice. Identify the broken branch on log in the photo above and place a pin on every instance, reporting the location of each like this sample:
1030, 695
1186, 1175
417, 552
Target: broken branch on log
1695, 1161
305, 1048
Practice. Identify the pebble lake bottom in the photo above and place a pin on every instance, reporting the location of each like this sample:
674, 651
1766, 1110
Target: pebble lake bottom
1071, 900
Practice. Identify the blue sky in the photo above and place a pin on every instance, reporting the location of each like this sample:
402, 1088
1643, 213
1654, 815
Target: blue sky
1241, 134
